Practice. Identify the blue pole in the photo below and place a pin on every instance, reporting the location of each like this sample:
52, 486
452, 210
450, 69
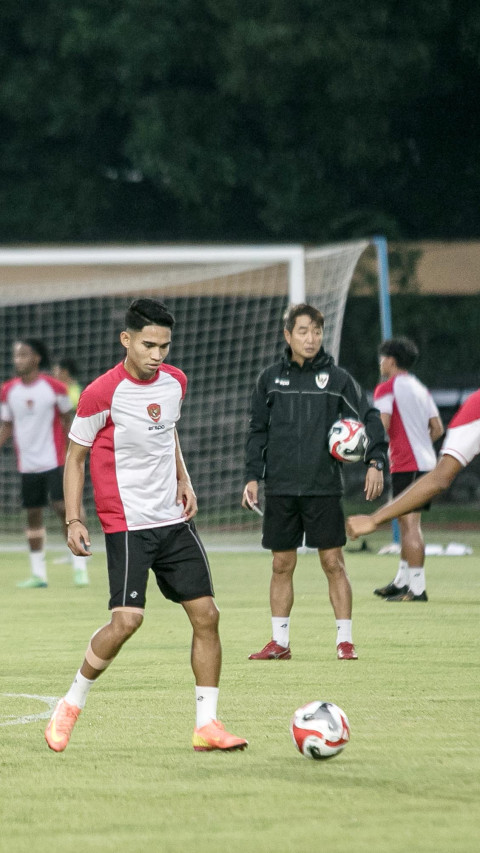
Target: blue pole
380, 244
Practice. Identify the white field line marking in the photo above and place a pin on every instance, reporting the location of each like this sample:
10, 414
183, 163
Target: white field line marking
51, 701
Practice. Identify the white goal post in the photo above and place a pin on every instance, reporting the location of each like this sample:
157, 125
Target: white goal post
228, 302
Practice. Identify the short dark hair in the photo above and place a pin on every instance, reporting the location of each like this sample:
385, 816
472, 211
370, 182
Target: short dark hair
147, 312
403, 350
294, 311
68, 364
39, 347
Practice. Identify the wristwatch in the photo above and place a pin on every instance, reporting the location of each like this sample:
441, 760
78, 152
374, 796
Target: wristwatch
376, 463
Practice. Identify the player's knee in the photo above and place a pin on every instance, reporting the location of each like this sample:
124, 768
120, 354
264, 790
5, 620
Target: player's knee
125, 624
333, 565
284, 562
206, 621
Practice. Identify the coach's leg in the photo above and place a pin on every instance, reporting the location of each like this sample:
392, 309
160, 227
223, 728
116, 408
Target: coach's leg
339, 589
281, 584
340, 593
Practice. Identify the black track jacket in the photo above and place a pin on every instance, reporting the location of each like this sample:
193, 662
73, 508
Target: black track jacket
292, 411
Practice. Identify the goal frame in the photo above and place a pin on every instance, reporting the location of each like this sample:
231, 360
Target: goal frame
291, 254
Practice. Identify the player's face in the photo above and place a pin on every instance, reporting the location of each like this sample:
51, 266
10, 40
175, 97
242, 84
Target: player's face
387, 366
305, 339
146, 350
25, 360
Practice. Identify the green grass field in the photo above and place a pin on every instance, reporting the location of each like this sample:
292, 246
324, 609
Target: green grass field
130, 781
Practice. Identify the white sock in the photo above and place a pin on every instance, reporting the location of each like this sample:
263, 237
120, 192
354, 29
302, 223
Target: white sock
77, 695
207, 698
38, 564
281, 630
344, 631
79, 563
402, 576
417, 580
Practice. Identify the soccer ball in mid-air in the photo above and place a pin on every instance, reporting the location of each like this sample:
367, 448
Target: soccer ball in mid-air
320, 730
347, 440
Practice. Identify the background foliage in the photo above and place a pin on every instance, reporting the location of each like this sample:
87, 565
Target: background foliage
221, 119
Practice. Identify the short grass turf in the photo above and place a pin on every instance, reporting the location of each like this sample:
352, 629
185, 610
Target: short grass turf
130, 781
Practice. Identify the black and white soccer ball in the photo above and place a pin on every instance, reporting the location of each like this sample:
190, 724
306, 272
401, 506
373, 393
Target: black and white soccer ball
347, 440
320, 730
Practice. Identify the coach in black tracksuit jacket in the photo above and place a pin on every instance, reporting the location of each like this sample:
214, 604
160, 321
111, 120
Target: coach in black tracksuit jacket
294, 404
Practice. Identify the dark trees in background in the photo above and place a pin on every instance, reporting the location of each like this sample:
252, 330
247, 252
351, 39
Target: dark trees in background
238, 120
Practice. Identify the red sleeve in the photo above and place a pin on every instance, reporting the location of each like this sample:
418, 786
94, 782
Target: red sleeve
469, 411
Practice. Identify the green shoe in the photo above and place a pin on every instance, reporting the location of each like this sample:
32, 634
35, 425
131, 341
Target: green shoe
32, 583
80, 577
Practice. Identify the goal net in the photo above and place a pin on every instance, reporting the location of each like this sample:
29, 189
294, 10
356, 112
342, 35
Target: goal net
228, 305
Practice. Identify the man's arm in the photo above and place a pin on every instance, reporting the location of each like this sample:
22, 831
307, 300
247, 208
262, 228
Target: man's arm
66, 419
73, 482
435, 428
185, 493
6, 432
419, 493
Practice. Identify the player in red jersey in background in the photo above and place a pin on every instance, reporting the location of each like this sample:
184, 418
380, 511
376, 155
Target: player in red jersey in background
412, 421
37, 413
146, 504
460, 446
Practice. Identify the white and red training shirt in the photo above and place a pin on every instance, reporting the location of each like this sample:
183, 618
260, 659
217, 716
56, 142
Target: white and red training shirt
34, 410
410, 406
462, 440
130, 426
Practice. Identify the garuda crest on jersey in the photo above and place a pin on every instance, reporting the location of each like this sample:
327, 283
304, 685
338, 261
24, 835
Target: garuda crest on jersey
155, 412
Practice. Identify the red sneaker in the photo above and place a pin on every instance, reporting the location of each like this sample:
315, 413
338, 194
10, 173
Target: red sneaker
346, 651
60, 727
214, 736
272, 651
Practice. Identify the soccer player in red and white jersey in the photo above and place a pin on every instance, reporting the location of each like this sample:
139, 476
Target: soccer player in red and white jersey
37, 413
412, 421
144, 499
460, 446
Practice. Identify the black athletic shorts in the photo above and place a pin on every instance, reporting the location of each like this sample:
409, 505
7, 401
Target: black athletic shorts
287, 518
174, 553
402, 480
38, 488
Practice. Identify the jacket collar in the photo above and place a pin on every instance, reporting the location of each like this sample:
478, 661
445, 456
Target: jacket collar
322, 359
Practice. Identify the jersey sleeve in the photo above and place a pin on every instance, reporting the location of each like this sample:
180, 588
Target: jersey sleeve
84, 430
93, 409
5, 410
462, 440
383, 397
60, 390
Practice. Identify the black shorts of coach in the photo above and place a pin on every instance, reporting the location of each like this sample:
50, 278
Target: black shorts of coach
38, 489
401, 480
287, 519
174, 553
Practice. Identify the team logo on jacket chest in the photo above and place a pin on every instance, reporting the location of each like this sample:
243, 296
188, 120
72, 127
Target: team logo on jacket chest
155, 412
321, 379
